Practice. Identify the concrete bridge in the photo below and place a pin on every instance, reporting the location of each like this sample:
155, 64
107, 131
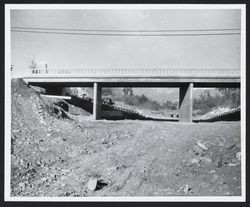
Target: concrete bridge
54, 80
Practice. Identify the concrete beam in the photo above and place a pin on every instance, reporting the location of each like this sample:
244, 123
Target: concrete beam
186, 103
137, 84
72, 80
97, 103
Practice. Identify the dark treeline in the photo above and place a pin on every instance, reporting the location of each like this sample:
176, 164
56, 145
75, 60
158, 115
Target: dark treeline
128, 97
144, 102
227, 97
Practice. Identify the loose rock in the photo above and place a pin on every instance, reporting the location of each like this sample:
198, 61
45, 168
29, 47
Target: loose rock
195, 161
185, 189
238, 156
234, 164
201, 145
92, 184
22, 186
206, 160
197, 149
218, 162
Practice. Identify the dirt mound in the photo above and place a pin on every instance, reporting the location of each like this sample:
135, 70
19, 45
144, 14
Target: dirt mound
46, 140
216, 111
157, 114
221, 113
32, 125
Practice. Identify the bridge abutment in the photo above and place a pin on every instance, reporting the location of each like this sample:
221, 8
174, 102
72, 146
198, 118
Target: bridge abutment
97, 103
186, 103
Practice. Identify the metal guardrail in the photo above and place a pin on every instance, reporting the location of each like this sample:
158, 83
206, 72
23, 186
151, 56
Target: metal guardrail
135, 73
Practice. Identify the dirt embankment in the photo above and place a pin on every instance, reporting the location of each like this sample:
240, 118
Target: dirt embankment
56, 153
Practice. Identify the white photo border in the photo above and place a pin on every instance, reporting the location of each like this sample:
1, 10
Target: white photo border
7, 136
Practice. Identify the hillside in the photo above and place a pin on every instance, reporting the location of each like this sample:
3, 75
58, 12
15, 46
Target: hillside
168, 94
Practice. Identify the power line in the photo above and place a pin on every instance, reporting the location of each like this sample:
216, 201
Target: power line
120, 34
128, 30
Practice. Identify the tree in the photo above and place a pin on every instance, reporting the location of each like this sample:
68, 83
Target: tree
143, 99
169, 105
231, 96
107, 91
128, 91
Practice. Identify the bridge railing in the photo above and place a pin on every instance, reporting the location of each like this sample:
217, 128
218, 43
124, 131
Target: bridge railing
135, 73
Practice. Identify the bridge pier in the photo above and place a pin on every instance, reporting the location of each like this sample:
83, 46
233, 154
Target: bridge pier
186, 103
97, 102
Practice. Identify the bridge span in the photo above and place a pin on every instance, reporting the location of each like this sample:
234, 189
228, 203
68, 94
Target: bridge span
54, 80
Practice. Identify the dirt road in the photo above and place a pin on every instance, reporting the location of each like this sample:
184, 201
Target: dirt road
136, 158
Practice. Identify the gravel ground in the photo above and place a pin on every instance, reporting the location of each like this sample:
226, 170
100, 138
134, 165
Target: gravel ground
56, 153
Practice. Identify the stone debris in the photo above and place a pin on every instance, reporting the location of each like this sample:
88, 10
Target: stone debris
15, 130
195, 161
185, 189
22, 186
206, 160
92, 184
201, 145
197, 150
238, 156
218, 162
234, 164
104, 141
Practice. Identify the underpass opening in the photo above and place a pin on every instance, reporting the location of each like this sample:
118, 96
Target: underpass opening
157, 103
118, 103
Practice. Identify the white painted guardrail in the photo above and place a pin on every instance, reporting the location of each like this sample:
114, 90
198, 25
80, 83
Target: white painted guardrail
135, 73
59, 97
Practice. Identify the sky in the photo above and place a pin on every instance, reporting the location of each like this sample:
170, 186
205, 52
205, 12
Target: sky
72, 51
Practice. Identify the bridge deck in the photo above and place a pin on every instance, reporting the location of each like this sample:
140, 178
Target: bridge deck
135, 77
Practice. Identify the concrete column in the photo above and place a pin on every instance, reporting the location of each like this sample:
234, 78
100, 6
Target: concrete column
186, 103
97, 103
